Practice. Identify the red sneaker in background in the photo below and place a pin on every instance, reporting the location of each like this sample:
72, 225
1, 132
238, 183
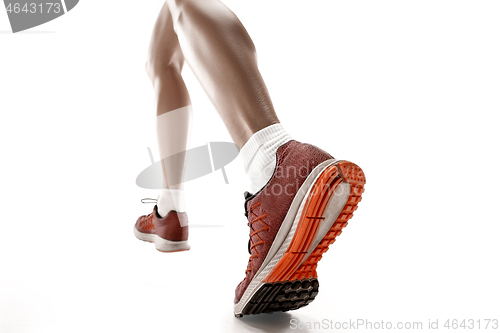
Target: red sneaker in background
169, 233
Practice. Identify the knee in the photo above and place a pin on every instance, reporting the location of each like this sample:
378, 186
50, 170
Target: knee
212, 16
158, 68
161, 70
198, 11
176, 5
176, 8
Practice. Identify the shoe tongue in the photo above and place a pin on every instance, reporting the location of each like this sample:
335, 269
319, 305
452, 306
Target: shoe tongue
249, 252
247, 195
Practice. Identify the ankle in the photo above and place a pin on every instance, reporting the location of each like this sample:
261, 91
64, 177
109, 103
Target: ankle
259, 154
171, 200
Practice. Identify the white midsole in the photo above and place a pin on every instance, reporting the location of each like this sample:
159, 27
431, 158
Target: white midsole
162, 244
287, 230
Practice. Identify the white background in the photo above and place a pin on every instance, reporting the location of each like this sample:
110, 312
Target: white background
408, 90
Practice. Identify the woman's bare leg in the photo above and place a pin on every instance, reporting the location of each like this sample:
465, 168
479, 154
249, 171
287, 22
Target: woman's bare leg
222, 56
174, 113
164, 66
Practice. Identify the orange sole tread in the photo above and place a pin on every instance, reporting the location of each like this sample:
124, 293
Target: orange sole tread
292, 266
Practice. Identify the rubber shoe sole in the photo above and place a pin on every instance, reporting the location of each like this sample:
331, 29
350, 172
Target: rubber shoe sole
325, 202
161, 244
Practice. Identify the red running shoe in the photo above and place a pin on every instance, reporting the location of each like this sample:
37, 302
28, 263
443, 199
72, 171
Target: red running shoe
293, 219
169, 233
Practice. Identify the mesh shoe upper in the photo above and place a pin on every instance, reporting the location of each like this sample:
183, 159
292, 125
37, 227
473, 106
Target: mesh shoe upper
267, 208
173, 227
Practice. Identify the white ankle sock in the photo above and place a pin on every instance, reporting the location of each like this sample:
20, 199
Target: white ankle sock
171, 200
259, 154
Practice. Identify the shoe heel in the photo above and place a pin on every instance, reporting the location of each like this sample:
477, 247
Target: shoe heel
354, 176
311, 218
164, 245
282, 296
299, 262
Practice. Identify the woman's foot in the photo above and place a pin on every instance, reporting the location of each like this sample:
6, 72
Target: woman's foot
293, 219
169, 233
